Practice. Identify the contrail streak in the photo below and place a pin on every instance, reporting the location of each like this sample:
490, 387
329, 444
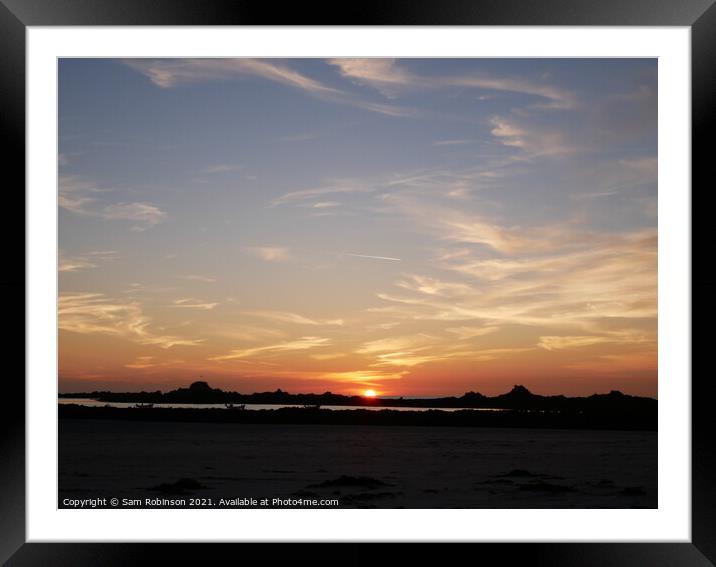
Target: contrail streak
374, 257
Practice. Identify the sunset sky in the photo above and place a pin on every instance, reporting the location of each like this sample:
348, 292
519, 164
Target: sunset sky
412, 226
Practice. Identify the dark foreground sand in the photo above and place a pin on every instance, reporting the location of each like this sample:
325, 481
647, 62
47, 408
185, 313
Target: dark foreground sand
361, 466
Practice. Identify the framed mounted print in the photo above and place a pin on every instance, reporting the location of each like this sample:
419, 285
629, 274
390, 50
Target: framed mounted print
421, 276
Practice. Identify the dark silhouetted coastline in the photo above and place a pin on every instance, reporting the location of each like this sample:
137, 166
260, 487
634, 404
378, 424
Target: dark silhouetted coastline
614, 404
520, 408
646, 421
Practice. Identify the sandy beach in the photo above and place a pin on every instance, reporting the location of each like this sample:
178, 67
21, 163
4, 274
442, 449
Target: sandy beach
360, 466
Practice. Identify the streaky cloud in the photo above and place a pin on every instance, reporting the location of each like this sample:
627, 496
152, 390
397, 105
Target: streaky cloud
368, 256
293, 318
168, 73
95, 313
303, 343
387, 75
77, 195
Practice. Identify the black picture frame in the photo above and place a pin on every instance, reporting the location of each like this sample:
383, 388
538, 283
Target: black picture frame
16, 15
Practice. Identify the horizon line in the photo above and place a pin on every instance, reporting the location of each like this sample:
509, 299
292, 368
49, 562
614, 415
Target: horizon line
382, 397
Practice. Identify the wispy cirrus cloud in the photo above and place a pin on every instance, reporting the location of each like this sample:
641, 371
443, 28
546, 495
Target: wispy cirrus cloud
168, 73
293, 318
620, 336
415, 350
620, 178
535, 141
191, 303
434, 286
533, 277
85, 261
604, 281
369, 257
602, 295
394, 187
379, 72
387, 75
403, 351
79, 195
335, 187
325, 205
302, 343
555, 97
457, 225
145, 214
567, 342
95, 313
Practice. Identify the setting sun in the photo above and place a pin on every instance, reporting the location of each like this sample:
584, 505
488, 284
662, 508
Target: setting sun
369, 394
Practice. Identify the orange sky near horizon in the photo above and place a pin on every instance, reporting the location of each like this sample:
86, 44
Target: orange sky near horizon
421, 364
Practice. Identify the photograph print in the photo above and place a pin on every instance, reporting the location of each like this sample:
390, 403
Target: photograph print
357, 283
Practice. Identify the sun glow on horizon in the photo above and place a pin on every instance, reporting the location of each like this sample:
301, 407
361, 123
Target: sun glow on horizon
370, 394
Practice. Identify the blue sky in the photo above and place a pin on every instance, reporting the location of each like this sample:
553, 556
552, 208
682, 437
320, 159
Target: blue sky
413, 225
